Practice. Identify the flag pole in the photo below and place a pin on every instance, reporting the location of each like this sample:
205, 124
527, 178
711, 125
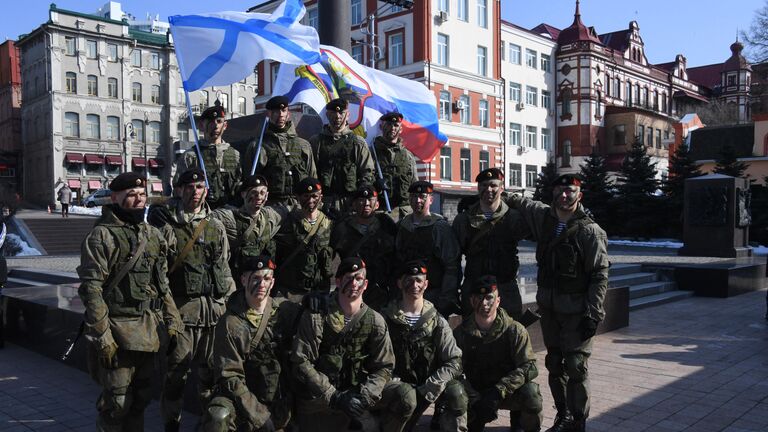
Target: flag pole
381, 177
258, 148
197, 139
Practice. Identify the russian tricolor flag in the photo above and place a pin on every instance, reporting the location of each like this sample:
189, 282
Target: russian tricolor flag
370, 93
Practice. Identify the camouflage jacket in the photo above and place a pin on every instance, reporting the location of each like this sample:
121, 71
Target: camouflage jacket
310, 268
248, 235
222, 166
398, 166
343, 161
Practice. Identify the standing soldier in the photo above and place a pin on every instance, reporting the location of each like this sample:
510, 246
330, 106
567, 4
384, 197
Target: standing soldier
488, 233
200, 281
370, 236
427, 236
398, 165
285, 158
128, 305
304, 253
499, 363
250, 357
342, 359
427, 359
222, 162
571, 251
342, 159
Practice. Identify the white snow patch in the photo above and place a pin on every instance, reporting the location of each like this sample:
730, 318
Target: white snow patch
26, 250
93, 211
658, 244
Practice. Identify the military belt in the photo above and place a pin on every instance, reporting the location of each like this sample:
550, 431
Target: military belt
154, 304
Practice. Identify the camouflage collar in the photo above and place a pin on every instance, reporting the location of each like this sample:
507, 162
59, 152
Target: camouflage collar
500, 325
392, 311
407, 222
477, 217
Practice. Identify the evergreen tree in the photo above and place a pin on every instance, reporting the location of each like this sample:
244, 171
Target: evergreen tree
597, 188
544, 181
727, 163
638, 206
681, 167
637, 175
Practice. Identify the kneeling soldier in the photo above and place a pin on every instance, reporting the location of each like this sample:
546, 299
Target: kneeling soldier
428, 361
498, 361
249, 362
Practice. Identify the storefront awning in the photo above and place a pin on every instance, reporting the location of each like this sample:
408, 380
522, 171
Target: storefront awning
73, 183
139, 162
157, 186
114, 160
94, 159
156, 163
74, 158
94, 184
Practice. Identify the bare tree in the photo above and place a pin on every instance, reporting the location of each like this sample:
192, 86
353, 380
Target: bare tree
757, 36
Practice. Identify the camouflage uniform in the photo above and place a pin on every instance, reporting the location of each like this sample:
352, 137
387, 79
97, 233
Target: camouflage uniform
398, 166
428, 365
200, 287
375, 244
343, 163
252, 376
433, 241
222, 166
310, 269
133, 315
572, 281
325, 361
285, 159
490, 248
501, 359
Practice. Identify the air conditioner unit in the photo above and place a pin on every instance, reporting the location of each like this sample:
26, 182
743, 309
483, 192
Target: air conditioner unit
442, 16
521, 150
460, 105
520, 106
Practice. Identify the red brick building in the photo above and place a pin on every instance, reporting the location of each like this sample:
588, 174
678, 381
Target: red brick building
10, 114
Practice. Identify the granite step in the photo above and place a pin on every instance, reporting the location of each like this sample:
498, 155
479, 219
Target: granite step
658, 299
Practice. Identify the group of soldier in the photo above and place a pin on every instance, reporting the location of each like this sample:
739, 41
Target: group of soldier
233, 278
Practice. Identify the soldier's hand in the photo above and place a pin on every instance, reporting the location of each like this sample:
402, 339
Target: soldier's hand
381, 184
349, 403
317, 301
421, 393
268, 426
172, 341
108, 356
487, 407
588, 328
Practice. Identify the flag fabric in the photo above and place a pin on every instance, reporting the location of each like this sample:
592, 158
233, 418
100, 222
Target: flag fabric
370, 93
224, 47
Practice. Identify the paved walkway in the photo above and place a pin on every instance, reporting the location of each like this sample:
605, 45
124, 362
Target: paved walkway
697, 365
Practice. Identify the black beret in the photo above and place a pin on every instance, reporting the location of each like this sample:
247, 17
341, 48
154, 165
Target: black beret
392, 117
337, 105
277, 102
490, 174
365, 191
349, 265
308, 185
257, 263
568, 180
421, 186
127, 180
414, 268
214, 112
192, 175
253, 181
484, 285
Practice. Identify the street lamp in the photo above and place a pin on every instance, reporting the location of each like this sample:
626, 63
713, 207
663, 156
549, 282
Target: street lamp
129, 135
146, 161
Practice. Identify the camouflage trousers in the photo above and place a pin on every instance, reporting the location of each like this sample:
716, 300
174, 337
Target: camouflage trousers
524, 407
400, 407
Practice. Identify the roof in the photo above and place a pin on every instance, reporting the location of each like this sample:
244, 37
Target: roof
736, 61
666, 66
85, 15
707, 142
577, 31
532, 32
543, 28
708, 75
148, 38
618, 40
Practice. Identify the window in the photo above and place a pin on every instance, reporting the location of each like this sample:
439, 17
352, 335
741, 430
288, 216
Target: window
483, 113
463, 10
90, 49
482, 67
181, 98
357, 53
136, 92
465, 113
607, 84
664, 102
274, 68
514, 133
112, 88
503, 51
93, 85
93, 169
485, 160
442, 49
111, 52
641, 134
312, 19
155, 94
514, 54
628, 94
224, 99
646, 100
619, 135
445, 106
599, 108
70, 83
546, 63
445, 163
650, 137
546, 100
515, 92
72, 124
566, 153
154, 61
154, 133
241, 107
92, 126
546, 139
566, 96
530, 176
482, 13
444, 6
113, 169
658, 138
731, 80
70, 45
656, 100
531, 95
617, 88
530, 58
396, 48
356, 11
182, 132
113, 128
136, 58
138, 130
515, 174
465, 165
637, 94
530, 136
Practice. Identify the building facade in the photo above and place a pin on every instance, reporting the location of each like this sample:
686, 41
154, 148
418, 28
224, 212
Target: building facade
10, 117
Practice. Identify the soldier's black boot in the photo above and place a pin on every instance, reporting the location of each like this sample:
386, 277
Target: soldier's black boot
578, 425
514, 421
563, 423
434, 424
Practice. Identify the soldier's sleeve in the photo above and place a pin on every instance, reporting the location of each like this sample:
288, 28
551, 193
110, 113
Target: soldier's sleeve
595, 252
365, 166
380, 362
450, 361
459, 229
532, 212
314, 144
306, 347
447, 249
227, 218
94, 269
171, 315
222, 261
523, 356
307, 148
414, 171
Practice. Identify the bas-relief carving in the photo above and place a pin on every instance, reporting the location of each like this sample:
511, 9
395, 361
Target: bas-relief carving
81, 62
743, 207
102, 65
709, 206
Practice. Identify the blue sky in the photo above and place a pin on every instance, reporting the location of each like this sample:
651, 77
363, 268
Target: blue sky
702, 30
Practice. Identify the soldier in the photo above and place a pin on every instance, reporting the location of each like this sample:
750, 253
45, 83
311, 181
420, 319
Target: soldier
571, 251
285, 158
252, 227
200, 281
250, 359
488, 233
498, 362
342, 158
341, 359
398, 165
222, 162
304, 253
427, 236
428, 361
128, 305
371, 236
